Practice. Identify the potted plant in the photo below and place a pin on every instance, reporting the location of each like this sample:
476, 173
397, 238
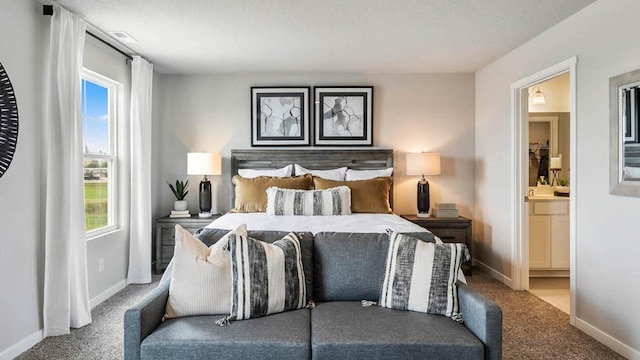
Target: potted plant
563, 186
180, 192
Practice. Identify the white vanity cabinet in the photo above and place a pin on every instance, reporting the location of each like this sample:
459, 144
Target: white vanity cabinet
549, 234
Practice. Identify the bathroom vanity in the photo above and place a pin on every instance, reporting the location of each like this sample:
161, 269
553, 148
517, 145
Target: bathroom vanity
548, 235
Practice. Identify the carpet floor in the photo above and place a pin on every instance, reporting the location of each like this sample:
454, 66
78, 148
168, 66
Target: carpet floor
532, 329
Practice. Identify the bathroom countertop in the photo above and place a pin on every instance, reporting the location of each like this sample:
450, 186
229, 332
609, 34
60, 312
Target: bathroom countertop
546, 198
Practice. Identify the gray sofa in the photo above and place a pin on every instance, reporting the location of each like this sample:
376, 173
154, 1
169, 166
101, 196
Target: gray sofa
341, 270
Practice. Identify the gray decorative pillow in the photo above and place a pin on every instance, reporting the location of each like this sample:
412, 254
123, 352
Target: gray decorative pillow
333, 201
421, 276
265, 278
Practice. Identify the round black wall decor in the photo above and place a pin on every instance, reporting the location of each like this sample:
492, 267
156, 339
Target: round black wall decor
8, 121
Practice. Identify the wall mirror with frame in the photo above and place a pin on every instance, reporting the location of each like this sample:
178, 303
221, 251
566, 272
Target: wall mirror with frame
624, 139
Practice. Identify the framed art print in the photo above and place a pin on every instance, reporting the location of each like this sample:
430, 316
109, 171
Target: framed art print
280, 116
343, 116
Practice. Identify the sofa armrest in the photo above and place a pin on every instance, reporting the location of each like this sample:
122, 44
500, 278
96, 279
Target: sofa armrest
484, 318
142, 318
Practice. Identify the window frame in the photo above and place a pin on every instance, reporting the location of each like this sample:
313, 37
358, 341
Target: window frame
113, 215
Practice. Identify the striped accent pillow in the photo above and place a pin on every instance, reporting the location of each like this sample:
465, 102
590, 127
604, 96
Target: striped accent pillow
421, 276
265, 278
333, 201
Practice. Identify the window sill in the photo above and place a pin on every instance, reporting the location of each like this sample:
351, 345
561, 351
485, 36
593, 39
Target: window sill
103, 233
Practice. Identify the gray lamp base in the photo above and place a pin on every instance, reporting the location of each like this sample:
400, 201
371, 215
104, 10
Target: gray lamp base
205, 215
423, 215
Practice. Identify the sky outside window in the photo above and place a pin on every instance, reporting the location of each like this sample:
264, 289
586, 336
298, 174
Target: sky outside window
95, 118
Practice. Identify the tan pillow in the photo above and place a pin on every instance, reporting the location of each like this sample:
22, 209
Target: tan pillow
251, 194
201, 278
367, 196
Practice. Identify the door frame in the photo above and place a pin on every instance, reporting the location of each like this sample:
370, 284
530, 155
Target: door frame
519, 152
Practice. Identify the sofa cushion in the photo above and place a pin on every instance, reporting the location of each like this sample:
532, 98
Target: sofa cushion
347, 330
265, 278
211, 236
350, 266
280, 336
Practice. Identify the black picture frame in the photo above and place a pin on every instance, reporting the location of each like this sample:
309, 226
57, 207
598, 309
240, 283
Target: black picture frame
343, 116
280, 116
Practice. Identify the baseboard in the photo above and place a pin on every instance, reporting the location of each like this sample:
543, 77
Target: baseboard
614, 344
108, 293
24, 345
549, 273
494, 273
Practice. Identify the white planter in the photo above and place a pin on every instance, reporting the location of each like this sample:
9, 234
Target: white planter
180, 205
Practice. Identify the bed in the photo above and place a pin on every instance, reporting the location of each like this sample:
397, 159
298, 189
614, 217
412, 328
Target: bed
367, 159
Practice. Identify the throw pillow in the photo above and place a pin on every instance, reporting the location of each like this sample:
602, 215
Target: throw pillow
352, 175
251, 194
421, 276
331, 174
333, 201
252, 173
265, 278
201, 277
367, 196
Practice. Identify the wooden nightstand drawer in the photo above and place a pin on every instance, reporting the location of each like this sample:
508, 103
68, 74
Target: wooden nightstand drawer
450, 235
166, 236
449, 230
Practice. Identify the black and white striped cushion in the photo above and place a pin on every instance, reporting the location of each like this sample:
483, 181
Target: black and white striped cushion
421, 276
333, 201
265, 278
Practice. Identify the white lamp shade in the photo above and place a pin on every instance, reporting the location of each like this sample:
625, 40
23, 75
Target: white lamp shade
426, 163
204, 164
555, 162
538, 98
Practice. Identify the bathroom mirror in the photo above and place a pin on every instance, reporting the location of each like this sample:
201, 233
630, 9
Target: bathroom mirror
624, 137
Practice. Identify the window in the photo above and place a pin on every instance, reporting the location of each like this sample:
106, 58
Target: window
100, 160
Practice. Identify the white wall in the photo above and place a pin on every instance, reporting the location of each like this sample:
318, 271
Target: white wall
603, 36
21, 255
430, 112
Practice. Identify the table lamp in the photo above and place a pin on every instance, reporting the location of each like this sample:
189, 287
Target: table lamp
425, 163
555, 165
204, 164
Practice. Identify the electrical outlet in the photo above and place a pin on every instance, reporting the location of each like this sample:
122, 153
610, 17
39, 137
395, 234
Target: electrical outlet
100, 265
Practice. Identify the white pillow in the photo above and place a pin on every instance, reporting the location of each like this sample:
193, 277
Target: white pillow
252, 173
333, 201
332, 174
367, 174
201, 278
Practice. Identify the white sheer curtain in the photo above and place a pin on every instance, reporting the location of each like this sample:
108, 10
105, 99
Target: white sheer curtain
140, 231
66, 291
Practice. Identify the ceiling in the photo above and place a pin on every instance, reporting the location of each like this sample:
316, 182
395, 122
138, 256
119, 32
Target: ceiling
355, 36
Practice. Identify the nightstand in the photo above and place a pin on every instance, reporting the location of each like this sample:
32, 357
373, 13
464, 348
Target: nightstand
166, 234
450, 230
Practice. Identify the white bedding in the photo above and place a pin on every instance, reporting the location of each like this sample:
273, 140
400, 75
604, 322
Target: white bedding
358, 223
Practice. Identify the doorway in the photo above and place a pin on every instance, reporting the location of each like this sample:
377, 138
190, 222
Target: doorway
545, 217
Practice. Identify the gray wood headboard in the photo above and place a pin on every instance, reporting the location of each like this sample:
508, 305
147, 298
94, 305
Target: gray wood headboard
364, 159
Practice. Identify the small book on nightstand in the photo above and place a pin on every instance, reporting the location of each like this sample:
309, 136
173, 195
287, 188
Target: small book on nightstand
445, 210
180, 214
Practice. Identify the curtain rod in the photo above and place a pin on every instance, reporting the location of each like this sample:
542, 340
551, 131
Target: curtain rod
48, 11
